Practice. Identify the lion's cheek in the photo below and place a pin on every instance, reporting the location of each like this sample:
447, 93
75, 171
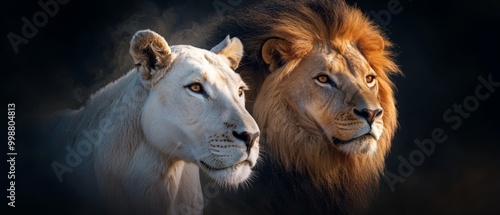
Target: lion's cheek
163, 129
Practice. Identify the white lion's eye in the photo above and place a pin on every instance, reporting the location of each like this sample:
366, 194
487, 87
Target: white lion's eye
370, 80
196, 87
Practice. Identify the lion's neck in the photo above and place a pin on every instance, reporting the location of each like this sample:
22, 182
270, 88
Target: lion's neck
154, 180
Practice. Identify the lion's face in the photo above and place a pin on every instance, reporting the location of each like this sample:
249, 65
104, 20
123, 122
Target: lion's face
338, 93
320, 73
196, 113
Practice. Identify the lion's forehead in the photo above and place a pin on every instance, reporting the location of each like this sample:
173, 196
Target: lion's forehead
347, 60
206, 66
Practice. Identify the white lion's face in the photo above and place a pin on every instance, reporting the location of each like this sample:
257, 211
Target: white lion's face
196, 113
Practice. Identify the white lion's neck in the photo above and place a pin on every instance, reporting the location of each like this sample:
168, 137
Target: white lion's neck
126, 93
120, 100
160, 184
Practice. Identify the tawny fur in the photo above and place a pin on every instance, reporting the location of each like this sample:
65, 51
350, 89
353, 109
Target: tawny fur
303, 170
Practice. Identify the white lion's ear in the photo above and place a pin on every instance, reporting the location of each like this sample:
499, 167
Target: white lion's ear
151, 53
231, 49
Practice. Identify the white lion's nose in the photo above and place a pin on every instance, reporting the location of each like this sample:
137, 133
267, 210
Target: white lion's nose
248, 138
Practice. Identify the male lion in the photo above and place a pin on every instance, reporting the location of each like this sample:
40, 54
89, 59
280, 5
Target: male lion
179, 110
320, 91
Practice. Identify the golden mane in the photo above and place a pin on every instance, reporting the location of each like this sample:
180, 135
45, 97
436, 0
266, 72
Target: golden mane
303, 29
304, 24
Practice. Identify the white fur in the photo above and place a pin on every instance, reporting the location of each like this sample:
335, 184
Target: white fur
156, 135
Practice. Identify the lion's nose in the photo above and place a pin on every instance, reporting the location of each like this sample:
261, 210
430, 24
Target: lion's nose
368, 115
248, 138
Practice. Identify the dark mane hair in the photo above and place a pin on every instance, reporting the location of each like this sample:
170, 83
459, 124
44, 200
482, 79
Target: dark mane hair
306, 180
303, 23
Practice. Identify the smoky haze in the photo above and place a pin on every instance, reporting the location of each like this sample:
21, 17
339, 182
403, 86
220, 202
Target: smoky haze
443, 50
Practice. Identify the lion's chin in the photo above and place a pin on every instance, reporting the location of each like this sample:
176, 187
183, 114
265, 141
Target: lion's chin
365, 144
229, 176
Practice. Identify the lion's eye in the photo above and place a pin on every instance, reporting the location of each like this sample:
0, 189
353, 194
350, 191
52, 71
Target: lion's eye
196, 87
370, 80
323, 79
240, 92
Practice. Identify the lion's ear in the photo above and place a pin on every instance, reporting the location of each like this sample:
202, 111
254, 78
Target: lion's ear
275, 53
231, 49
151, 53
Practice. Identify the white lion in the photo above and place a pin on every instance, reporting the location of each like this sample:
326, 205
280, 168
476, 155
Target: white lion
179, 110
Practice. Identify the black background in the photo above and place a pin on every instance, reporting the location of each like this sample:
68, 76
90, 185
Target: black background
442, 49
